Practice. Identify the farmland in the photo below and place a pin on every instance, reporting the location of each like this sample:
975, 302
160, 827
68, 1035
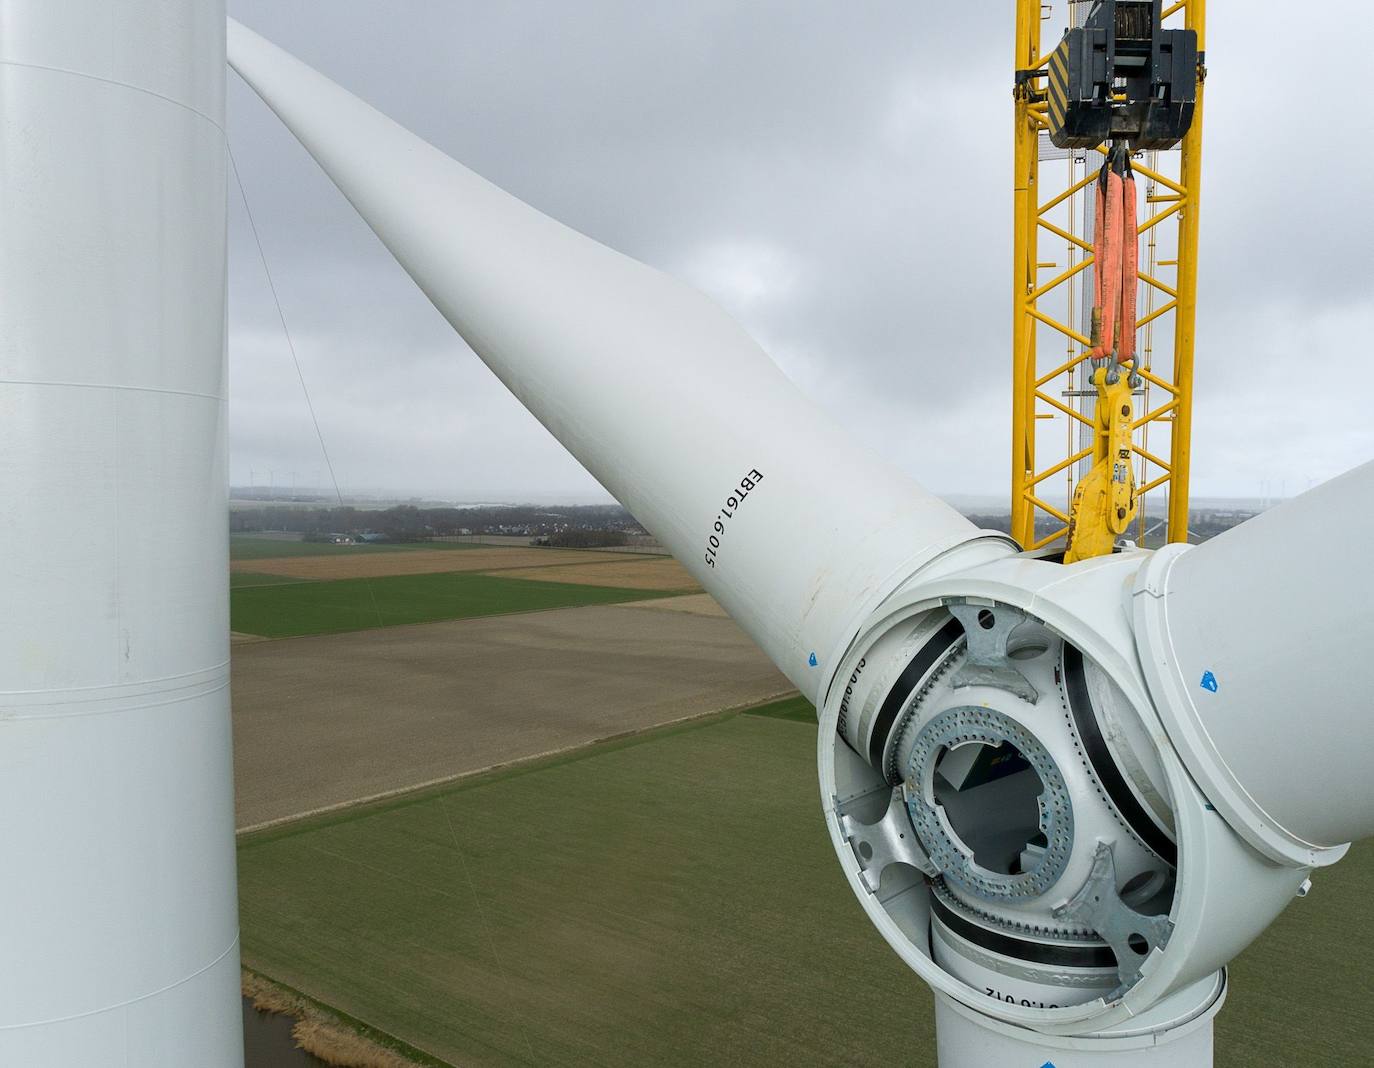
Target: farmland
572, 855
321, 721
257, 578
592, 909
317, 588
672, 899
663, 573
248, 547
297, 608
429, 561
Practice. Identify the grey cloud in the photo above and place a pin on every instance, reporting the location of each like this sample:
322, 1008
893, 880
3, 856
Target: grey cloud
838, 176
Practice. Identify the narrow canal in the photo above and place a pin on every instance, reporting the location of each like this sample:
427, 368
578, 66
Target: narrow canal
267, 1041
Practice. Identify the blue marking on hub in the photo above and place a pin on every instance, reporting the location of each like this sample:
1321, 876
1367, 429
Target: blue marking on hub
813, 662
1209, 682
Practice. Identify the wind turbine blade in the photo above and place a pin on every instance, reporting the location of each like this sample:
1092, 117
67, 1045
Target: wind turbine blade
1258, 648
656, 391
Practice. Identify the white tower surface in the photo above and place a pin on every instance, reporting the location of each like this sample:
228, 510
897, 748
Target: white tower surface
118, 925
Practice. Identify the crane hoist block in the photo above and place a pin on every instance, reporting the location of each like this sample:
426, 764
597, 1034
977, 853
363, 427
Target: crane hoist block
1121, 75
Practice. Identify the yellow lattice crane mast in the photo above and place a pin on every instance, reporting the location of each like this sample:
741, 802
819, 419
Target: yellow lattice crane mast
1095, 120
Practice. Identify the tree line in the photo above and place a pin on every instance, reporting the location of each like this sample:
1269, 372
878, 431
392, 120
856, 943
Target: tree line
572, 525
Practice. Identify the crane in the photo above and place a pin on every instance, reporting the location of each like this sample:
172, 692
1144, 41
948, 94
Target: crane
1107, 105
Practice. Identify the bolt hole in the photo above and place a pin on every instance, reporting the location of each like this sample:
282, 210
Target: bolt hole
1143, 888
986, 619
865, 851
1138, 944
1136, 882
1028, 641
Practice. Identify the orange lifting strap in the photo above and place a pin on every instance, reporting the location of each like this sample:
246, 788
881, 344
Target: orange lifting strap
1104, 502
1116, 252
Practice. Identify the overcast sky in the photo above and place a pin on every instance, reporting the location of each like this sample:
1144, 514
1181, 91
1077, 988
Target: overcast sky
838, 177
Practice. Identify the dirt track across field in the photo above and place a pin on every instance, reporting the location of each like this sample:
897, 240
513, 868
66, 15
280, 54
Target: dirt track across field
696, 604
429, 561
657, 573
326, 720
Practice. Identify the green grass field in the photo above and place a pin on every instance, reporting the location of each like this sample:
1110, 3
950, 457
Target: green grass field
286, 609
253, 578
250, 548
672, 899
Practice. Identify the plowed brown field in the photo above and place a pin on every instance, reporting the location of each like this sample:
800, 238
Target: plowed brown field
321, 721
424, 562
655, 573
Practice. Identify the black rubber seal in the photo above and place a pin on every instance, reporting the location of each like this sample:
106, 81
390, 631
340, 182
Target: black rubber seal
1104, 767
1059, 956
922, 662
